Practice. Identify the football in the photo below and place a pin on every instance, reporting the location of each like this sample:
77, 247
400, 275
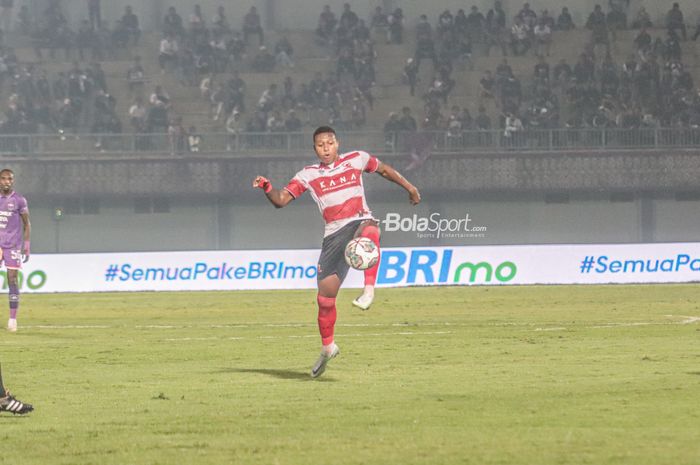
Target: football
361, 253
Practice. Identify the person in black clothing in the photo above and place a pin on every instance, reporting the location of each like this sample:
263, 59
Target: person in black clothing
564, 21
8, 403
348, 19
475, 25
673, 46
488, 85
495, 27
407, 121
674, 20
410, 72
396, 26
391, 129
157, 119
598, 25
541, 68
292, 123
584, 69
172, 23
346, 64
251, 25
130, 23
643, 41
425, 48
326, 25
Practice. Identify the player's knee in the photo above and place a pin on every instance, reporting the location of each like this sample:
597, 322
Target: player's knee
371, 231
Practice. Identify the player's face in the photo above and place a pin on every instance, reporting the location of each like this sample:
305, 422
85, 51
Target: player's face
326, 146
7, 181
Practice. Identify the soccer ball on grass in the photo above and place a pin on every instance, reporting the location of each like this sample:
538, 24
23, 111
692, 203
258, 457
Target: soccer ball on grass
361, 253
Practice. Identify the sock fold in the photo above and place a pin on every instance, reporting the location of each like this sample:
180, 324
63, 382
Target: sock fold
327, 315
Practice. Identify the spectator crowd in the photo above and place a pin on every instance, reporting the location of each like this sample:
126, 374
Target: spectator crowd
590, 88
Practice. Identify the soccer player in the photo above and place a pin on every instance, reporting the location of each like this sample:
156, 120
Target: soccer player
335, 183
15, 231
10, 404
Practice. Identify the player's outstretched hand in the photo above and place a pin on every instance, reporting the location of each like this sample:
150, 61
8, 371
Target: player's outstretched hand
414, 196
263, 183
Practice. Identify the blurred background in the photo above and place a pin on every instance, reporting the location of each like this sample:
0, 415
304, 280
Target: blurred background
140, 126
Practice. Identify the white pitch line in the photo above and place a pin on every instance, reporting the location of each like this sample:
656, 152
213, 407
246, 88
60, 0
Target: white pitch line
69, 326
627, 325
248, 325
237, 338
686, 321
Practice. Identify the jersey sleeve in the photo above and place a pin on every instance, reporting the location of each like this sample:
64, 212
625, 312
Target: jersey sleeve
370, 163
22, 205
297, 185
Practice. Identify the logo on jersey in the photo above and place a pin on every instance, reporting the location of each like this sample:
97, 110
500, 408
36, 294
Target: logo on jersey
344, 180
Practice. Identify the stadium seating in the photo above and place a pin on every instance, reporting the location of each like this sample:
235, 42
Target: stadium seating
390, 93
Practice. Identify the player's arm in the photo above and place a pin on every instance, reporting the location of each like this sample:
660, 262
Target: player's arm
277, 197
27, 235
387, 172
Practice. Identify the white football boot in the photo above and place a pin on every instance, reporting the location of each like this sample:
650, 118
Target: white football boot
12, 325
364, 301
325, 357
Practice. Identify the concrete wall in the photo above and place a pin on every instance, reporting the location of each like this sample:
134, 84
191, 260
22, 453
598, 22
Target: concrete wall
205, 225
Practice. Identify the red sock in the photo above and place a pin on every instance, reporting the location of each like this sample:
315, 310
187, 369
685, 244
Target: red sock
371, 232
326, 318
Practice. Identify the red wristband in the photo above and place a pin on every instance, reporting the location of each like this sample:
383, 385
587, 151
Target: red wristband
265, 184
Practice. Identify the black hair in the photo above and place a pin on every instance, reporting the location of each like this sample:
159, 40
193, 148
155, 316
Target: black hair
323, 130
7, 170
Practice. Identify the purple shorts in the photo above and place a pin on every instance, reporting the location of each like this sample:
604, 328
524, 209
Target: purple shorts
12, 258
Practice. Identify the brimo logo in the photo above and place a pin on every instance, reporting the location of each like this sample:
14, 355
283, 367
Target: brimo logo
503, 273
35, 280
433, 224
434, 266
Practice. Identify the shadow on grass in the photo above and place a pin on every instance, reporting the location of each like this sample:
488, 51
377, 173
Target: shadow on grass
280, 374
7, 417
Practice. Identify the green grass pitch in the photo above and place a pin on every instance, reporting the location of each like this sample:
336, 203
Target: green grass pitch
488, 375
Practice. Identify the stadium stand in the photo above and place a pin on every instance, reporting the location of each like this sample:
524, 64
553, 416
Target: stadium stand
203, 74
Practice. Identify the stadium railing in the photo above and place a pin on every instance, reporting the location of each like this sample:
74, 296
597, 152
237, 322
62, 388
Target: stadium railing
281, 143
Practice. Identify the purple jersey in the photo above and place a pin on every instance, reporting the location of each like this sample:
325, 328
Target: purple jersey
11, 225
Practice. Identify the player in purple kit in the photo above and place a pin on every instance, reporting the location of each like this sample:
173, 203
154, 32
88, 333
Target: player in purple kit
15, 231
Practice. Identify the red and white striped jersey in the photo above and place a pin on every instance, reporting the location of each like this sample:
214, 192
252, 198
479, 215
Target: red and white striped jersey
337, 189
